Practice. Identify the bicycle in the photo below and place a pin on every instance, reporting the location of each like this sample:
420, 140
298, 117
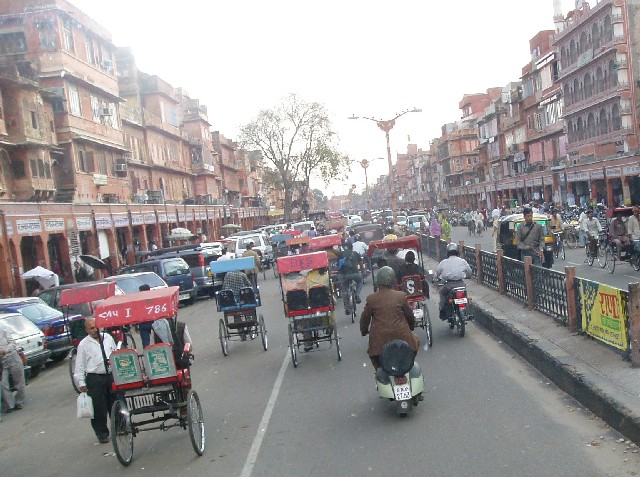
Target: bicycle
559, 246
351, 299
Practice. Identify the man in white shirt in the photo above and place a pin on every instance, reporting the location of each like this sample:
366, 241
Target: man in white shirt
633, 227
361, 247
93, 377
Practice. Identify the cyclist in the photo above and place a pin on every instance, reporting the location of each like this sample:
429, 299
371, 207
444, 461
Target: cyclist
349, 265
619, 234
633, 227
555, 226
453, 270
361, 247
591, 228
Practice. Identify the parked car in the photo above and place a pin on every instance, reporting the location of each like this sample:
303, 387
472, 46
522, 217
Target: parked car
198, 258
303, 226
174, 271
49, 320
28, 337
261, 244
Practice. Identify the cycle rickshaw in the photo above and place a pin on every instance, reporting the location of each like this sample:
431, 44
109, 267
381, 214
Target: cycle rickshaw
415, 286
154, 387
278, 242
240, 320
307, 301
86, 294
627, 253
326, 243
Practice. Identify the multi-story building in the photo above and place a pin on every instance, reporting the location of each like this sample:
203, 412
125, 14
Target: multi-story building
597, 46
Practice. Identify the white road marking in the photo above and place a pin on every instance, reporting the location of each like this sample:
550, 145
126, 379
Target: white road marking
266, 417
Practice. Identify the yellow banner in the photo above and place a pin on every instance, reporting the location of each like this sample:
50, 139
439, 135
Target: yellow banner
276, 212
604, 311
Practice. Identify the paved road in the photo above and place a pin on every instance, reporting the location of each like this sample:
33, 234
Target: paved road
486, 413
621, 277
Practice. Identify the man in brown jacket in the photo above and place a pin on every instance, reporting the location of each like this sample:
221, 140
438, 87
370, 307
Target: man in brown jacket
387, 316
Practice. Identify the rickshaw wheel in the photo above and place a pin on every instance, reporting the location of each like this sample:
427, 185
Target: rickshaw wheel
72, 367
610, 259
292, 346
263, 332
121, 434
635, 261
335, 337
602, 256
427, 326
222, 334
275, 270
196, 422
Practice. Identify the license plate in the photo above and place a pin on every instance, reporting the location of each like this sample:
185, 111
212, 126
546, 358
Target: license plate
418, 313
402, 392
183, 295
459, 301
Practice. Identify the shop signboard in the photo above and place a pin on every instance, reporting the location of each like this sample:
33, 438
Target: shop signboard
604, 313
137, 219
83, 223
103, 222
28, 226
121, 220
614, 172
54, 224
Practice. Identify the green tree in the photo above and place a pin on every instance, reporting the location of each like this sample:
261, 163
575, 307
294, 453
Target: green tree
296, 140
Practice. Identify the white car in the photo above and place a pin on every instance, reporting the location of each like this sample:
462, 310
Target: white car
353, 219
28, 337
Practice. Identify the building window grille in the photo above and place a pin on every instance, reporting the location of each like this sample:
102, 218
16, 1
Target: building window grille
34, 167
74, 101
13, 43
17, 168
67, 36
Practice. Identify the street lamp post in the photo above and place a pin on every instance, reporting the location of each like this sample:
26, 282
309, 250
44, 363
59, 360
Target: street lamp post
387, 126
365, 164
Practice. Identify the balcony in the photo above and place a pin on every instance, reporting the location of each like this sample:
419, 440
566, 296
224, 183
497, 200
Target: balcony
154, 85
200, 168
511, 121
591, 101
131, 115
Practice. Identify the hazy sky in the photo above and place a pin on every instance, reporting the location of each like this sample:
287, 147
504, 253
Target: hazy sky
368, 58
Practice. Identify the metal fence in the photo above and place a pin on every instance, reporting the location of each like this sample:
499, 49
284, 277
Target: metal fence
489, 269
469, 254
550, 293
515, 282
443, 248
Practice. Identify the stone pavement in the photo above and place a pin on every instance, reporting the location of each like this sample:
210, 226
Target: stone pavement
593, 374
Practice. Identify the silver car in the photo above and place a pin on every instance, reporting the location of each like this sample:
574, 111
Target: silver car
28, 337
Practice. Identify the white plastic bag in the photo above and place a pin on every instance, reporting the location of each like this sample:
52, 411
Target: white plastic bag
85, 406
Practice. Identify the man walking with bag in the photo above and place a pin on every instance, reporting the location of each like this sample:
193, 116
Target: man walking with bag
92, 376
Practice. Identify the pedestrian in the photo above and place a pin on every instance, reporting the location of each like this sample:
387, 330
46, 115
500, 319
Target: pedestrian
312, 232
11, 365
92, 375
434, 228
80, 273
530, 238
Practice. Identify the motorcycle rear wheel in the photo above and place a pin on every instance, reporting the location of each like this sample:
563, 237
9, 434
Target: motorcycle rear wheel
460, 322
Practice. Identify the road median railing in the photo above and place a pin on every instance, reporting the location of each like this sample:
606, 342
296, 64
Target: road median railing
609, 315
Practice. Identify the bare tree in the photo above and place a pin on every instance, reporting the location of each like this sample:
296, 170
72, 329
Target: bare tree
295, 138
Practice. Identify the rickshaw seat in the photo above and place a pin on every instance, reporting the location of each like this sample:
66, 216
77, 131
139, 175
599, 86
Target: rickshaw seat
227, 300
126, 369
297, 300
319, 297
159, 363
248, 298
412, 286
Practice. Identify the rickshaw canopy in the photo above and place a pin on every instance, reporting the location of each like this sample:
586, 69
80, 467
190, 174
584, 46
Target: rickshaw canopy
324, 241
276, 239
138, 307
300, 240
87, 293
224, 266
304, 261
410, 241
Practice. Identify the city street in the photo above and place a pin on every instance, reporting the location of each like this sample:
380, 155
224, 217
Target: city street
620, 278
485, 413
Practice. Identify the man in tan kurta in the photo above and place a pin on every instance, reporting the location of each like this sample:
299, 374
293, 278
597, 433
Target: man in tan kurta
387, 316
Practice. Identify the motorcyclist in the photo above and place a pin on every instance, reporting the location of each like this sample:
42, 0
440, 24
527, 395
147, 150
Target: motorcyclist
453, 270
387, 316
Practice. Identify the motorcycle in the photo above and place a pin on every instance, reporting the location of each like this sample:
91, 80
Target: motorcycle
456, 312
399, 378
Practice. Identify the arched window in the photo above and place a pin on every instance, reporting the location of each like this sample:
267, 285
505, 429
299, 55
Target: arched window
608, 29
572, 52
580, 129
588, 86
567, 94
604, 123
595, 36
570, 132
599, 80
591, 125
615, 118
576, 91
584, 43
613, 74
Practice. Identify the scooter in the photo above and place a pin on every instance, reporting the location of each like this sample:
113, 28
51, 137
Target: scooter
399, 378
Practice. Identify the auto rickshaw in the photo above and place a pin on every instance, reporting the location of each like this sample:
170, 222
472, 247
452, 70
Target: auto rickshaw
507, 237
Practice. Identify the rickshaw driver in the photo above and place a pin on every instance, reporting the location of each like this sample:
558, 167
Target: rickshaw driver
618, 233
252, 273
387, 316
633, 227
530, 238
453, 269
410, 268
